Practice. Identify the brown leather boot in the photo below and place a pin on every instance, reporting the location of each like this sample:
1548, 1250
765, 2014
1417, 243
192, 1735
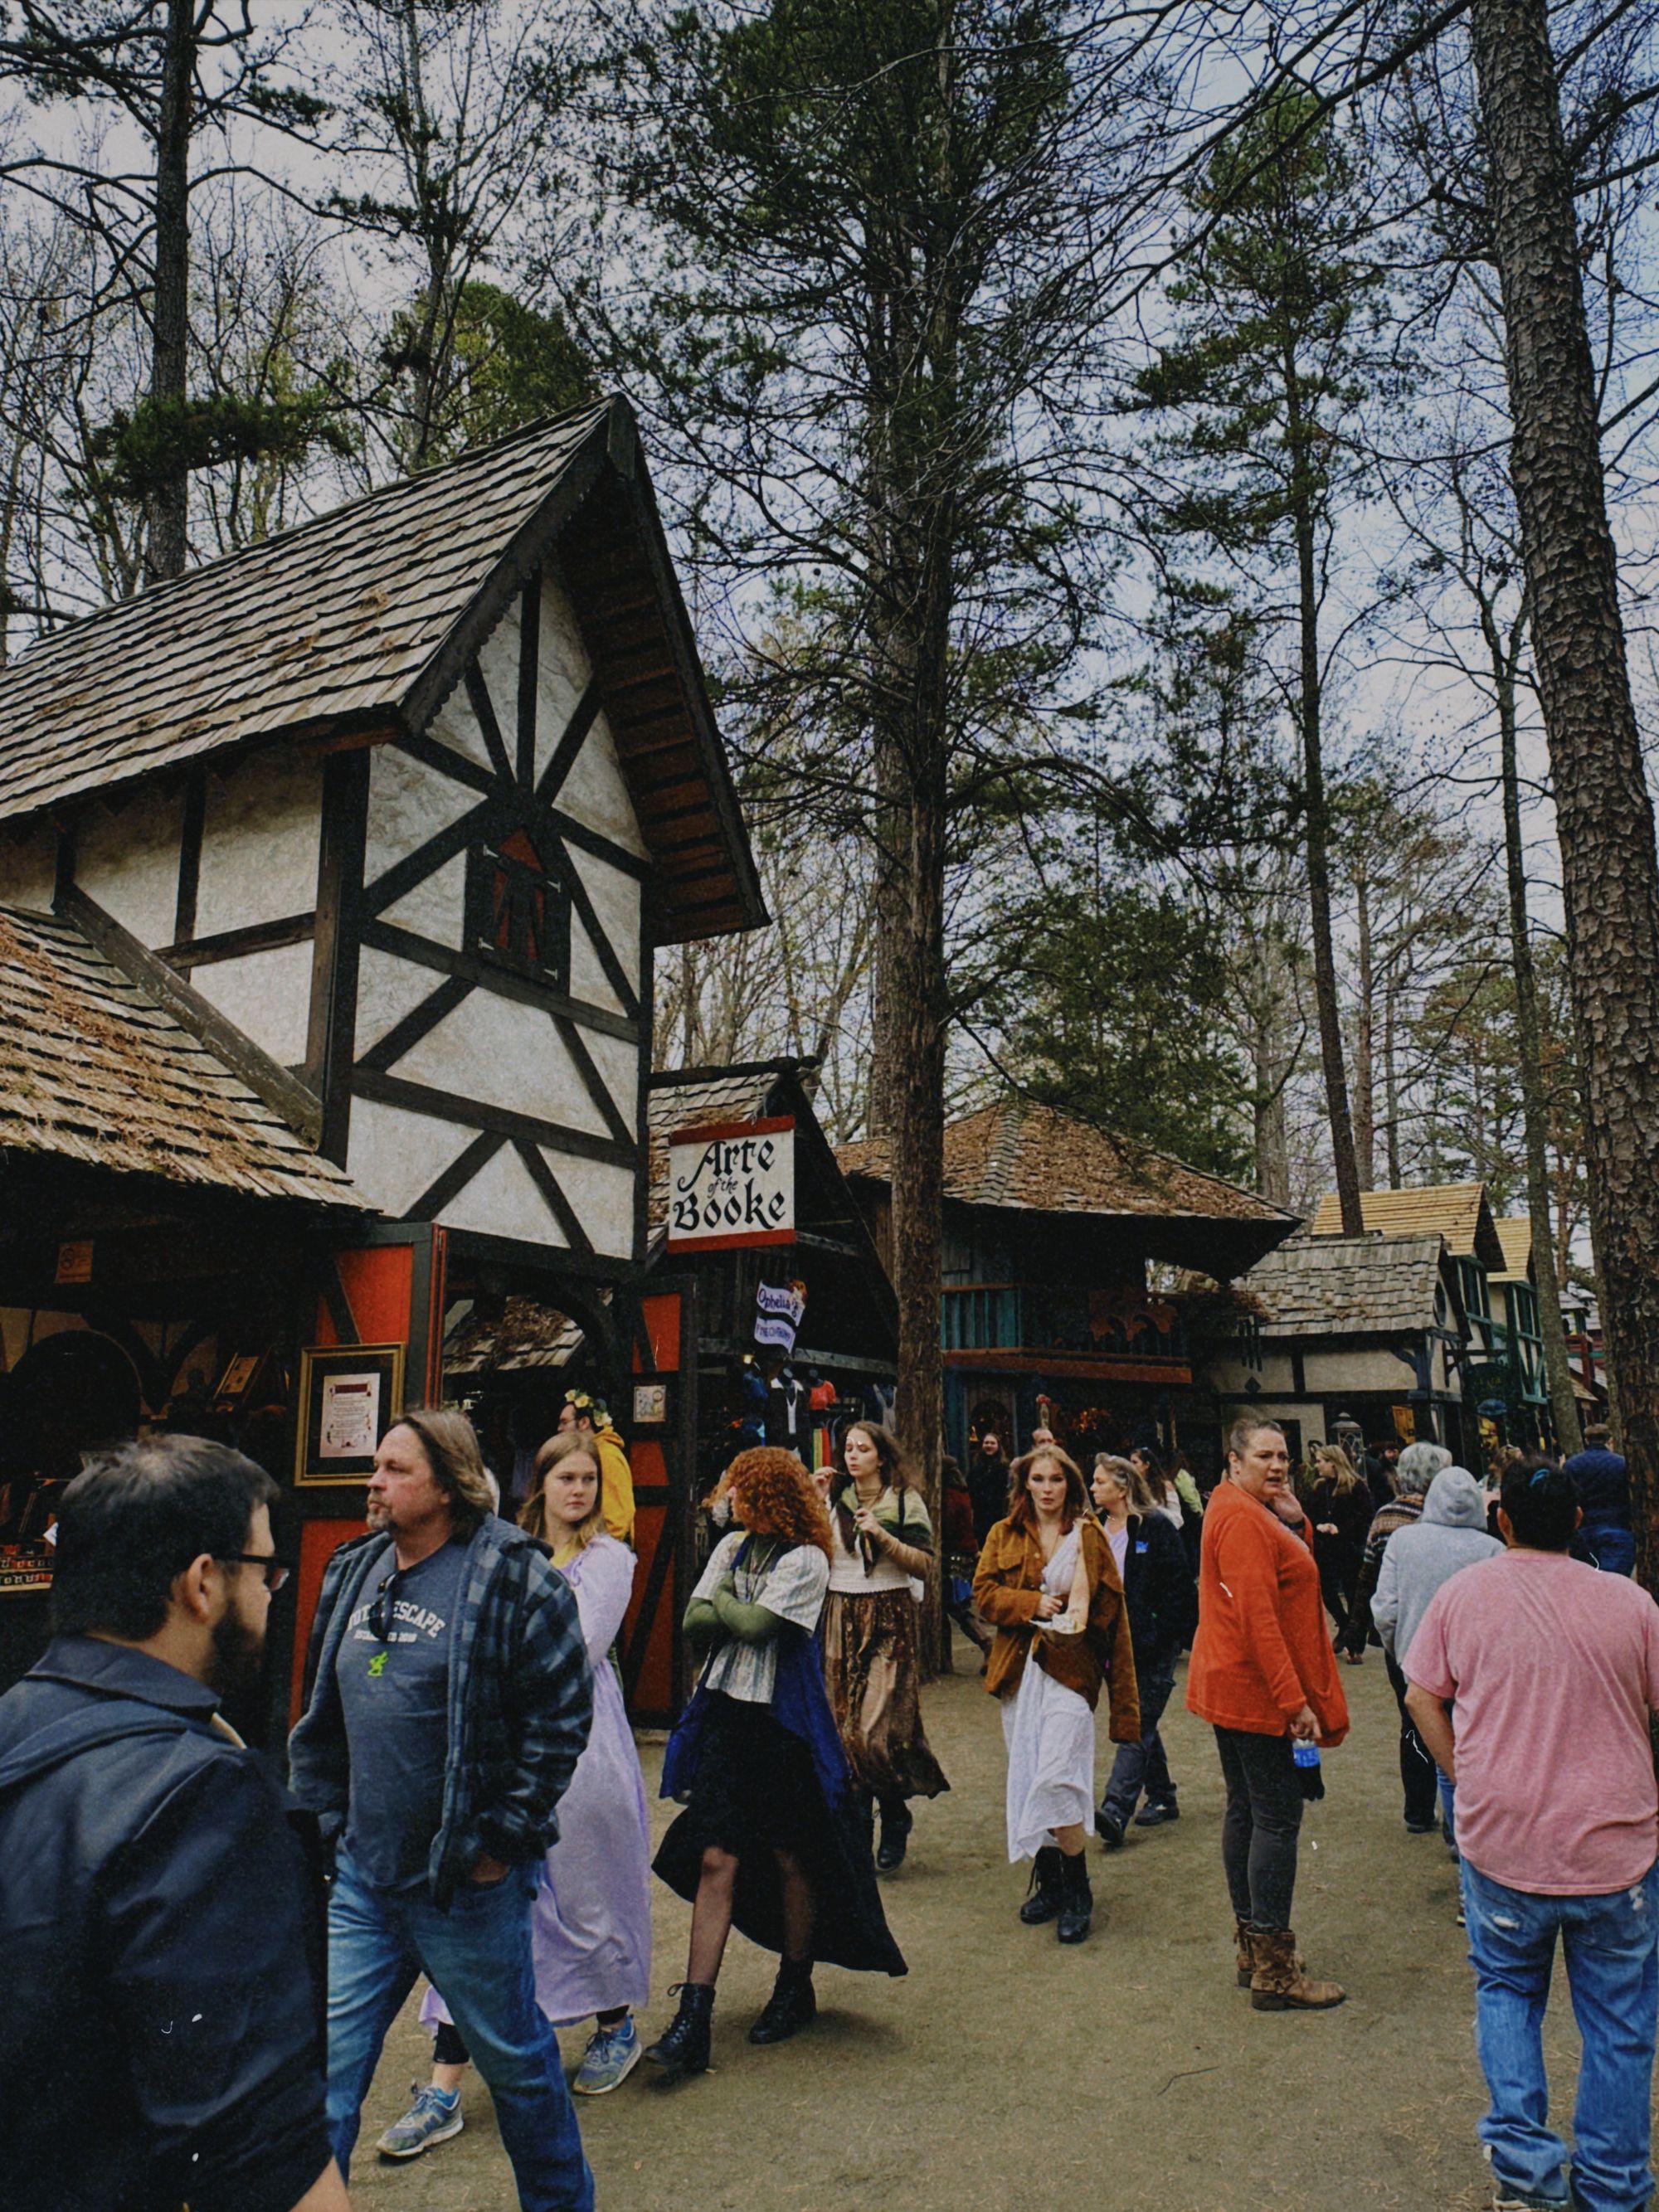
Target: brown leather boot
1244, 1936
1278, 1984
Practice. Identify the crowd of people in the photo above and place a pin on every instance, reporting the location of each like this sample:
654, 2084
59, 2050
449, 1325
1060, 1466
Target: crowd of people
463, 1775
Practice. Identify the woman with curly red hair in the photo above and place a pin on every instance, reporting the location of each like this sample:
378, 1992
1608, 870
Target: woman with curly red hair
770, 1839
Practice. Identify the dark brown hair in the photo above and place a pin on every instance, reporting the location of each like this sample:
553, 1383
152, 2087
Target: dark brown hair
451, 1445
895, 1475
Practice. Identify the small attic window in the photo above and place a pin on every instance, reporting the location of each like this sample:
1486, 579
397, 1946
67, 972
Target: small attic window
516, 912
1442, 1310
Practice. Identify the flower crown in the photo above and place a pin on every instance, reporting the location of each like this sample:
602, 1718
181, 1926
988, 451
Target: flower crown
595, 1408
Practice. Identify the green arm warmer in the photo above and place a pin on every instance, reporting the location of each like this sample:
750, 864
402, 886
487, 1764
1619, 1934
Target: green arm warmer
749, 1623
702, 1623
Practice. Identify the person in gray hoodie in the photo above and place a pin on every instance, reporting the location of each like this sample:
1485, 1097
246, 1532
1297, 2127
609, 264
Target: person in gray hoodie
1450, 1535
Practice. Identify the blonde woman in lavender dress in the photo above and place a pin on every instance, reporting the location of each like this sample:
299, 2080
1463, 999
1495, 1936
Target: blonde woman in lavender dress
592, 1923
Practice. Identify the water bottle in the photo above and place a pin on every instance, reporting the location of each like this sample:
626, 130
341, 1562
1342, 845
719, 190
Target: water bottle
1309, 1771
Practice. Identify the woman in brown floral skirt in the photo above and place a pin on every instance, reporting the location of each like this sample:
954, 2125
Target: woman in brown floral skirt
883, 1538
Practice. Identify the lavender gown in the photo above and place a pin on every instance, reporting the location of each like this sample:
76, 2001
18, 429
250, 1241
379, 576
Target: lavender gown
592, 1920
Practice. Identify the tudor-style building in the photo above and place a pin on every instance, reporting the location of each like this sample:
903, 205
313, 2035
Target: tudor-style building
1051, 1309
381, 820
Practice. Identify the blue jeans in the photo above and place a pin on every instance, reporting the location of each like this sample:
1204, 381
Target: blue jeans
1613, 1976
477, 1956
1144, 1764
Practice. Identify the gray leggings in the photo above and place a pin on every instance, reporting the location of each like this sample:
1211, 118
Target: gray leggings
1260, 1826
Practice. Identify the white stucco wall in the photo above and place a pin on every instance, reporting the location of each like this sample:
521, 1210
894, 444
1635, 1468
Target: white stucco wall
504, 1054
394, 1155
501, 1200
261, 830
128, 862
266, 995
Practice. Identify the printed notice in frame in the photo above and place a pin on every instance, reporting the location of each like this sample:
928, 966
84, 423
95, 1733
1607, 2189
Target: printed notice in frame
350, 1417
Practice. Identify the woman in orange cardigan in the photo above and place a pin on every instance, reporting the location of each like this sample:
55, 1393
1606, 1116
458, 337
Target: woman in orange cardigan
1264, 1676
1047, 1584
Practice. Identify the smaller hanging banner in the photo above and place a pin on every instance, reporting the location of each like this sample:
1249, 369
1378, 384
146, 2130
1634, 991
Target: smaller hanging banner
778, 1310
732, 1184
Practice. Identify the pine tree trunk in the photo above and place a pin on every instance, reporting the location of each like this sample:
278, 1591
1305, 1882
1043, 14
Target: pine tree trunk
1364, 1043
1319, 856
166, 541
1534, 1108
1610, 872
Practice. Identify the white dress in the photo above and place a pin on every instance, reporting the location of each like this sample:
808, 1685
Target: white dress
1049, 1731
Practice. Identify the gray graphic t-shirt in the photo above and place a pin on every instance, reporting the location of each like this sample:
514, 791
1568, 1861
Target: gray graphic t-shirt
395, 1698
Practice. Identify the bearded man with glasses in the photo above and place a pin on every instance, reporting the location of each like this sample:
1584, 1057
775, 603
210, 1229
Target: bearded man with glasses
161, 2036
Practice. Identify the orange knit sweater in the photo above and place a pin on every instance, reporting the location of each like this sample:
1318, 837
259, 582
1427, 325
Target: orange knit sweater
1262, 1650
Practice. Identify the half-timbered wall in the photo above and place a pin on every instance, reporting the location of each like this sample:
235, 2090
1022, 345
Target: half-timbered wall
218, 873
501, 1018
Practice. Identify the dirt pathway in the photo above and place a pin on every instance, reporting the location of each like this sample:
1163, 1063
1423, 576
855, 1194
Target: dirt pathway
1128, 2075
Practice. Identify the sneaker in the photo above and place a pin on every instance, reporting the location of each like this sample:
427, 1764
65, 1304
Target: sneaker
434, 2115
1109, 1829
1509, 2201
1460, 1918
1154, 1816
612, 2055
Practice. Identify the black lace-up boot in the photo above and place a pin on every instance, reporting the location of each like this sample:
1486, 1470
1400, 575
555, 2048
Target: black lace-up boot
1043, 1903
682, 2049
1077, 1900
791, 2006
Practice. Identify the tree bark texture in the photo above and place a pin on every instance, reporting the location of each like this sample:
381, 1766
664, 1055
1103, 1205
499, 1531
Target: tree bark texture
1364, 1040
1319, 845
1610, 872
1534, 1110
167, 542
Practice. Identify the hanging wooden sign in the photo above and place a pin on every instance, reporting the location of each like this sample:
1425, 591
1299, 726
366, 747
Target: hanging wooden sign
731, 1184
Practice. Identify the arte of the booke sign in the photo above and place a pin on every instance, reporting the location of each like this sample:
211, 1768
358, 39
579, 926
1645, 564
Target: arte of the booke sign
731, 1184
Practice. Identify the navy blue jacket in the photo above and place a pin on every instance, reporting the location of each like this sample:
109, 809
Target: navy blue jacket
161, 2031
1603, 1481
520, 1701
1158, 1591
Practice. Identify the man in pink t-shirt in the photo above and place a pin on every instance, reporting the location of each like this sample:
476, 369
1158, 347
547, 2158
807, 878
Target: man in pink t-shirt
1532, 1679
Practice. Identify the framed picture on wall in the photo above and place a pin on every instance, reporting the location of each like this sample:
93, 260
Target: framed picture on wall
349, 1396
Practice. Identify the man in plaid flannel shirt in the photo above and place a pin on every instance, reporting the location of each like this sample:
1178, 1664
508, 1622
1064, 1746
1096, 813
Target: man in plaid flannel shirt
448, 1698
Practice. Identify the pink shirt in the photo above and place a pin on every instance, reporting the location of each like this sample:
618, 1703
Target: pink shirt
1552, 1668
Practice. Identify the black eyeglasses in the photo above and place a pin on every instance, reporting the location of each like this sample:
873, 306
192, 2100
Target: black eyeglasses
276, 1570
379, 1613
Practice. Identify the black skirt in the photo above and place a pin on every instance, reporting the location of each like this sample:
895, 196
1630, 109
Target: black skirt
754, 1792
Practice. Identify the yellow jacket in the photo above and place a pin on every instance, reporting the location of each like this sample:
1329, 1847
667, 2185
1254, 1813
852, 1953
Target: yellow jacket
615, 1484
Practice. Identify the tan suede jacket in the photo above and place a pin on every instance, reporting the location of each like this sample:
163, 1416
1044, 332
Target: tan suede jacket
1007, 1583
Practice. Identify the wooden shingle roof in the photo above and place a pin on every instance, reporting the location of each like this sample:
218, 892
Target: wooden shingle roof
93, 1071
358, 623
1020, 1153
1456, 1211
1515, 1235
1349, 1286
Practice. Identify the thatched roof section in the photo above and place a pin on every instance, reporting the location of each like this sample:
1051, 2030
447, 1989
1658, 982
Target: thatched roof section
93, 1071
